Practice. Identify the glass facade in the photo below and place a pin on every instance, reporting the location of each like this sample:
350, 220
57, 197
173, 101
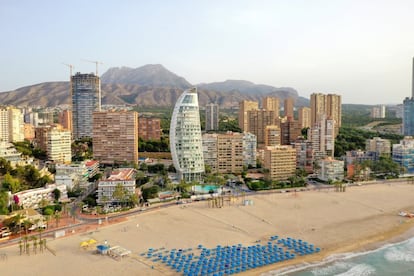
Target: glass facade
408, 117
185, 137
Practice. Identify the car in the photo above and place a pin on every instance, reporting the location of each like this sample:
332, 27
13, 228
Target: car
5, 232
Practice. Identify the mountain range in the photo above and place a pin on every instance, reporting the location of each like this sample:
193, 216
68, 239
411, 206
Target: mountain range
151, 85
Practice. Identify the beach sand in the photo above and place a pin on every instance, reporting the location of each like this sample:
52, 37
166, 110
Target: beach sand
358, 219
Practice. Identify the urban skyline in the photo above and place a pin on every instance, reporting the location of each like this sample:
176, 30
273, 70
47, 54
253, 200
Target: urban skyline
359, 50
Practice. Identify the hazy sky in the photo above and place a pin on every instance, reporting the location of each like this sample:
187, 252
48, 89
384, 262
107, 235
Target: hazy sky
360, 49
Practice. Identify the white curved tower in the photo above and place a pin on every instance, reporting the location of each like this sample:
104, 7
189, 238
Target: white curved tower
185, 137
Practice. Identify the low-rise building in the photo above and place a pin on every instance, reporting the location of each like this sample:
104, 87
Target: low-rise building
106, 187
32, 198
331, 169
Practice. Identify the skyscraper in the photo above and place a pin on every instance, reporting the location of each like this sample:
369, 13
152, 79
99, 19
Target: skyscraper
271, 103
11, 124
185, 137
304, 117
244, 107
86, 98
115, 137
212, 116
288, 108
326, 105
408, 111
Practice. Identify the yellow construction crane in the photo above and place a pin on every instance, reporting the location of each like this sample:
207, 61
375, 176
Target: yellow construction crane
96, 63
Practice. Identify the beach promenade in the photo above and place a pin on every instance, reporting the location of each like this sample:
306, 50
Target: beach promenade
358, 219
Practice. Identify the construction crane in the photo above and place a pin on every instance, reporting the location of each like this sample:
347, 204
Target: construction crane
96, 63
70, 67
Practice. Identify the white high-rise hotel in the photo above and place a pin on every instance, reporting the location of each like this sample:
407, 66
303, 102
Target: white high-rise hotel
185, 137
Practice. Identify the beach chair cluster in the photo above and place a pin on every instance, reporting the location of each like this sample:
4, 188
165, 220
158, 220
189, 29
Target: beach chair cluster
228, 260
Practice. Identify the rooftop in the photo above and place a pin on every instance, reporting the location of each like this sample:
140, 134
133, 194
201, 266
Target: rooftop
122, 174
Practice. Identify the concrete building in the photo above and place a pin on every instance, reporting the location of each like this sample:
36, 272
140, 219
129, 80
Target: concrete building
304, 117
29, 132
258, 120
65, 119
56, 141
244, 108
280, 161
272, 135
185, 137
106, 187
378, 111
76, 175
378, 145
271, 104
212, 117
322, 138
86, 98
249, 150
228, 152
210, 151
359, 156
115, 137
290, 131
288, 108
304, 154
326, 105
331, 169
11, 124
403, 154
149, 128
32, 198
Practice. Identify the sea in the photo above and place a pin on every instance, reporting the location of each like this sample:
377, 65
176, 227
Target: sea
390, 259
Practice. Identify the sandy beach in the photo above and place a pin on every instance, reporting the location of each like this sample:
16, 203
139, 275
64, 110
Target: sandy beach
359, 219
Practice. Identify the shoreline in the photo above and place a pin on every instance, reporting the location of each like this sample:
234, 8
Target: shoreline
362, 246
361, 219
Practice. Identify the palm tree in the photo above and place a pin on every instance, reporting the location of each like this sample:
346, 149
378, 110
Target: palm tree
20, 247
34, 238
57, 218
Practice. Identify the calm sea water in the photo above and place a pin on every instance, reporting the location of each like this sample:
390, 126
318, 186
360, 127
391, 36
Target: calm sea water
391, 259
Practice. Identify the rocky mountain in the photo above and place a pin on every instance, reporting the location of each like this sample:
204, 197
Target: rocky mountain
153, 75
149, 86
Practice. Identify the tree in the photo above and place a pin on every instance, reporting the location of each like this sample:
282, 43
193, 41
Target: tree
4, 202
11, 183
57, 217
119, 193
56, 194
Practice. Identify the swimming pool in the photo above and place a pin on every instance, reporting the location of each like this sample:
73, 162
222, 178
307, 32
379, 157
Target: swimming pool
204, 189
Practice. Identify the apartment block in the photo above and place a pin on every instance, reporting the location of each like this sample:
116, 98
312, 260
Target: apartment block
149, 128
272, 135
212, 117
244, 108
331, 169
304, 115
378, 145
257, 122
115, 137
280, 161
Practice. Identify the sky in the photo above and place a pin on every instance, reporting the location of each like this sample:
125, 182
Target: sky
362, 49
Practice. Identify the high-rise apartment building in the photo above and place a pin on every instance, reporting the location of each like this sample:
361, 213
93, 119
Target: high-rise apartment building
124, 177
244, 107
11, 124
288, 108
56, 141
290, 131
185, 137
212, 117
59, 143
229, 152
271, 103
326, 105
280, 161
304, 115
257, 122
378, 145
272, 135
378, 111
149, 128
65, 119
304, 154
322, 138
408, 110
115, 137
86, 98
249, 150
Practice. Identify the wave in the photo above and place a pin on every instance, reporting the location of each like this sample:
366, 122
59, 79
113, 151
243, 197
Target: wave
392, 256
332, 269
359, 270
400, 254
